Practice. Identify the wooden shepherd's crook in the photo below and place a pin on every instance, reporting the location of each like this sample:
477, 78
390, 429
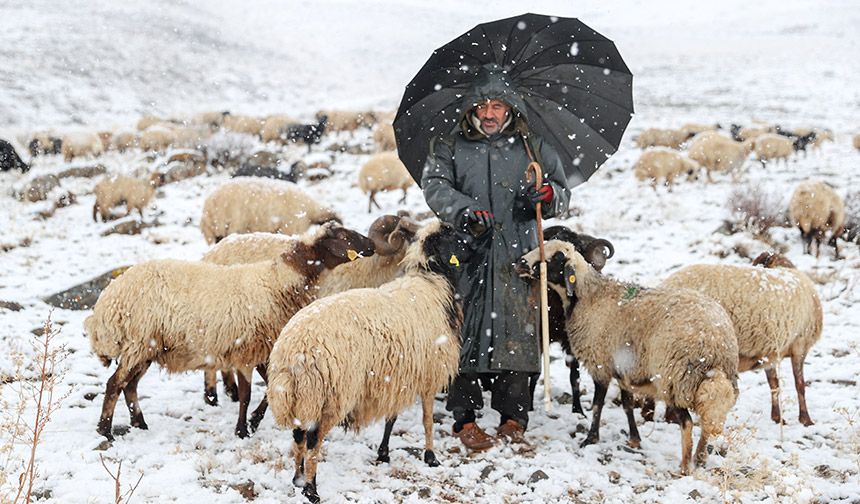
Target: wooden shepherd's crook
544, 310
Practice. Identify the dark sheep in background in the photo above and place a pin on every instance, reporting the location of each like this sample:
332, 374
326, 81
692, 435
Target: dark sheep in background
307, 133
9, 159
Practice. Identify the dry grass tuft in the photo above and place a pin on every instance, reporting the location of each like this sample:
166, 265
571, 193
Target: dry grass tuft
754, 210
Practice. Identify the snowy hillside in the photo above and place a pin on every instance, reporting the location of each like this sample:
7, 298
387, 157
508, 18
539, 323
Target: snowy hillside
94, 65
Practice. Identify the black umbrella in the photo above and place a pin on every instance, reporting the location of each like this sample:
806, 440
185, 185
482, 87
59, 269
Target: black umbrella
578, 93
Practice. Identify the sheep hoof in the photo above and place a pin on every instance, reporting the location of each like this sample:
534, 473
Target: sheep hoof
383, 458
634, 443
589, 440
104, 429
299, 477
577, 408
430, 458
242, 431
210, 398
139, 423
310, 492
806, 421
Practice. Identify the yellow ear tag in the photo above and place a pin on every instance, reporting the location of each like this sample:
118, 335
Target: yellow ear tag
454, 260
571, 279
352, 254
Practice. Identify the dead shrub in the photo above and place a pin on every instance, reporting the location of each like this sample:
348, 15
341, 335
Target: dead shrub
755, 210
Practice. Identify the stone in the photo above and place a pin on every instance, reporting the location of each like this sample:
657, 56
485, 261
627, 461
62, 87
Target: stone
11, 306
84, 296
425, 493
537, 476
486, 471
246, 490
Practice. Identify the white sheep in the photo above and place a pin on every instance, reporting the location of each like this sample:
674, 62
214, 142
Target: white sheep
243, 124
149, 120
365, 354
114, 190
383, 172
753, 132
158, 138
675, 345
856, 141
770, 146
718, 153
188, 315
249, 204
81, 144
384, 138
696, 128
815, 208
212, 120
660, 163
347, 120
275, 128
657, 137
775, 313
124, 140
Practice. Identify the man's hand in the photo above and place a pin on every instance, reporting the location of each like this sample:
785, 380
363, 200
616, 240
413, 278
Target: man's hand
542, 195
479, 221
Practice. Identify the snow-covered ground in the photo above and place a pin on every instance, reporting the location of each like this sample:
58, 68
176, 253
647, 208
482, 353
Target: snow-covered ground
88, 65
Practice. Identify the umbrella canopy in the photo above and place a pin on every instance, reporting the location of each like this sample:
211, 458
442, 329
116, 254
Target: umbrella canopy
565, 79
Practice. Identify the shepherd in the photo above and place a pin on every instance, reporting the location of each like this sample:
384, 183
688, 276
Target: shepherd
488, 113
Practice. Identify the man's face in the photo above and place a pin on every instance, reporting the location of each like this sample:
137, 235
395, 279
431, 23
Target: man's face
492, 115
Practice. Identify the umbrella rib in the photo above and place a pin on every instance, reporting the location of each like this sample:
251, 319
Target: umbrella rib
561, 142
531, 38
627, 70
588, 92
489, 40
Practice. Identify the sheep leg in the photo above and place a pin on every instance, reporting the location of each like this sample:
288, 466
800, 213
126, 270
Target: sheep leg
210, 391
702, 448
427, 417
244, 376
114, 384
773, 383
370, 202
648, 407
260, 412
315, 439
800, 386
596, 408
131, 399
403, 199
686, 439
382, 452
833, 243
576, 404
230, 388
634, 441
299, 450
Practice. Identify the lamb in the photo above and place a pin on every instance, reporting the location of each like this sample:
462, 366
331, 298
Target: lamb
384, 138
390, 234
770, 146
775, 313
43, 143
383, 172
364, 354
654, 137
243, 124
81, 144
115, 190
660, 163
815, 208
347, 120
275, 128
194, 315
307, 133
245, 205
674, 345
718, 153
9, 159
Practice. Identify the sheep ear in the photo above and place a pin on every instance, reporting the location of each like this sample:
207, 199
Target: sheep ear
569, 280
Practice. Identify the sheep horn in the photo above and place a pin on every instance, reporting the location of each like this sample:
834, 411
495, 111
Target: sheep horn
380, 233
598, 251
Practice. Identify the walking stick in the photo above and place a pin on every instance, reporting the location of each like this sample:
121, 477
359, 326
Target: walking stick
544, 310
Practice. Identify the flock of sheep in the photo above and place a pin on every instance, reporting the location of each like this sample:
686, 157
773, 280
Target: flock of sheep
287, 290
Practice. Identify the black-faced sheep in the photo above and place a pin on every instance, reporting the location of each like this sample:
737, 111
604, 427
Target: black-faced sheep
118, 189
246, 205
43, 144
677, 346
9, 159
194, 315
308, 133
365, 354
383, 172
775, 313
815, 208
657, 164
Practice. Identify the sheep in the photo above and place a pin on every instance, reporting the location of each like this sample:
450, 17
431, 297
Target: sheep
81, 144
661, 163
675, 345
157, 138
245, 205
384, 138
9, 159
243, 124
275, 127
856, 141
815, 208
770, 146
124, 140
365, 354
718, 153
775, 313
212, 120
696, 128
307, 133
114, 190
383, 172
146, 121
43, 143
347, 120
821, 135
753, 132
188, 315
390, 234
190, 137
654, 137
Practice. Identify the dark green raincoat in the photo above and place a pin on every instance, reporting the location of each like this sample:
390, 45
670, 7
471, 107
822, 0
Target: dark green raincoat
468, 171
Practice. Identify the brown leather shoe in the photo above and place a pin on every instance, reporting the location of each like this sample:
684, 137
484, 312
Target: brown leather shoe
511, 431
474, 437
